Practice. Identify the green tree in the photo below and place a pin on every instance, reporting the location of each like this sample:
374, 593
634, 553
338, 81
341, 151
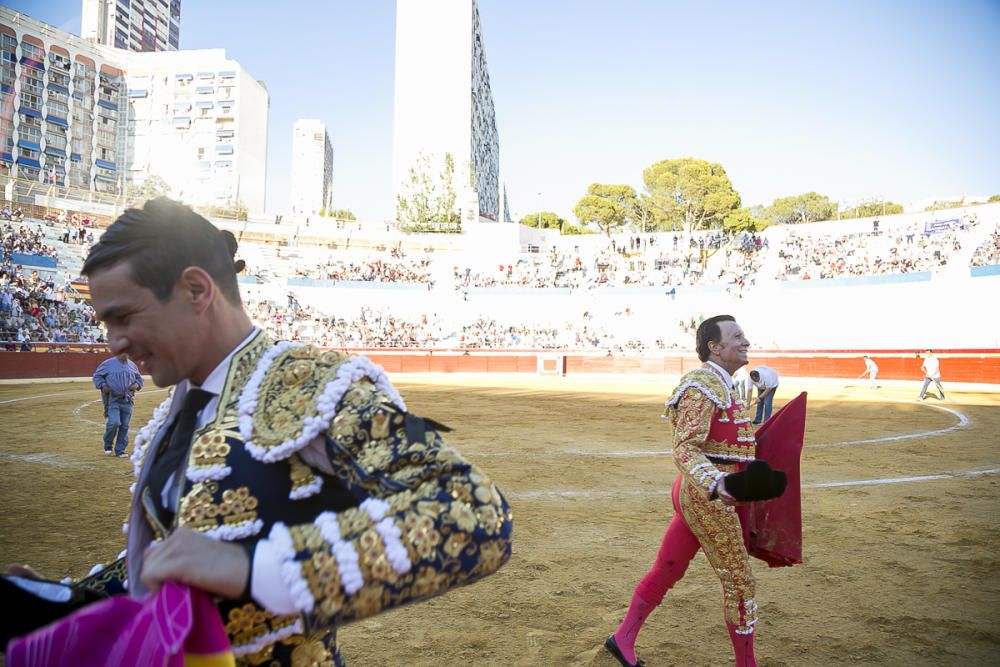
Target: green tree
993, 199
689, 194
743, 219
808, 207
543, 220
446, 211
341, 214
644, 213
941, 205
871, 209
427, 203
152, 187
607, 206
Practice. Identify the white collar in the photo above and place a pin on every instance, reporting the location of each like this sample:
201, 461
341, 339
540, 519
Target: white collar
721, 372
215, 381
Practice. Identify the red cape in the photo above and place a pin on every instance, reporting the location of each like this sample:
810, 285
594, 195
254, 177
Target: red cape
772, 530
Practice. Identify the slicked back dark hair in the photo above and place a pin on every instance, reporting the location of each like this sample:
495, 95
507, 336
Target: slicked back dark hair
710, 332
159, 241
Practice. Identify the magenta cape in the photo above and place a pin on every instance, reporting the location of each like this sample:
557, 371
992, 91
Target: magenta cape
177, 626
772, 530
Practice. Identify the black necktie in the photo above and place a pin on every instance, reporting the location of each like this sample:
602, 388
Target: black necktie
169, 459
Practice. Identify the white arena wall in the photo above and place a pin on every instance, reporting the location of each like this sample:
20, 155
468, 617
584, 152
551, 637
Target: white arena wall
947, 309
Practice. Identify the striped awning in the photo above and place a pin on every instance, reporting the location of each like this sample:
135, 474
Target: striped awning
81, 287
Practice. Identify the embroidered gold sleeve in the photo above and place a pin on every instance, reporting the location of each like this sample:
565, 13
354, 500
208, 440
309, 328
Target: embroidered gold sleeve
430, 521
692, 419
109, 580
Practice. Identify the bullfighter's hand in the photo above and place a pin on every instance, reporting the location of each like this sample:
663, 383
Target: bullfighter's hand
194, 559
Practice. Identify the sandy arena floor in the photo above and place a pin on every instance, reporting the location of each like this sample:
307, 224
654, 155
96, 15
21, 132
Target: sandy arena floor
900, 567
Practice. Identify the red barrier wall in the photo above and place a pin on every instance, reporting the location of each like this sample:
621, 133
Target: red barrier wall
26, 365
979, 366
960, 367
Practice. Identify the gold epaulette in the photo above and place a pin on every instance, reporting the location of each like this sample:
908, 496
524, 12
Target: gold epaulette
293, 394
704, 381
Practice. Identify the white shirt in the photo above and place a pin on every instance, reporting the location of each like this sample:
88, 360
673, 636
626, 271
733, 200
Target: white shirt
870, 365
768, 378
726, 378
266, 585
741, 374
932, 367
213, 384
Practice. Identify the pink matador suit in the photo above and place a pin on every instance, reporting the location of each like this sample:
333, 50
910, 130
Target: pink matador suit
712, 438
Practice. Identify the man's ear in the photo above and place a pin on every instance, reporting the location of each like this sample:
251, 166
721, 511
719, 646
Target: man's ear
198, 287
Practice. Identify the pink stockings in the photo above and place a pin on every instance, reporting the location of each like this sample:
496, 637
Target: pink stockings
678, 547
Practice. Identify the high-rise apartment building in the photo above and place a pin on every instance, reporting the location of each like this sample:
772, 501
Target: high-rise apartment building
134, 25
443, 102
62, 107
198, 120
312, 167
96, 118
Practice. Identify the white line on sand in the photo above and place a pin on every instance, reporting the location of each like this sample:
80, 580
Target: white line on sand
54, 459
963, 422
590, 493
31, 398
79, 408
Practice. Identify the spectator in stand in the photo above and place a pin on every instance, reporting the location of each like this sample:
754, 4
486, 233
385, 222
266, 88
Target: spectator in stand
932, 373
988, 252
765, 379
118, 379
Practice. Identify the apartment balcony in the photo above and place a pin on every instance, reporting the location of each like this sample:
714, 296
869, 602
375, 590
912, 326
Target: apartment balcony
107, 103
58, 85
55, 145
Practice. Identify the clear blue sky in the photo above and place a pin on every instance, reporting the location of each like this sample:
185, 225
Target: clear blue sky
852, 99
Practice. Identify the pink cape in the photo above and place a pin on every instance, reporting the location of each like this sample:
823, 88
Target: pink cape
158, 630
772, 530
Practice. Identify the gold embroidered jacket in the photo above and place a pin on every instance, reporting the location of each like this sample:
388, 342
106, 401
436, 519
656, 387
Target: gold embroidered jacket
710, 427
389, 514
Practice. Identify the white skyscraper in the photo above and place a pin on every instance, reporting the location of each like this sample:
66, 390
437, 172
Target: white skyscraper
63, 108
312, 167
90, 117
198, 120
135, 25
443, 103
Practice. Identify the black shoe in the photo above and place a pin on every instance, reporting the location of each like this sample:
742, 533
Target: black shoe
121, 455
756, 423
612, 646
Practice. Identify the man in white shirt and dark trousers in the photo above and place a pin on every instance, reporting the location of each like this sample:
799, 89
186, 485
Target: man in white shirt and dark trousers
871, 370
766, 381
932, 373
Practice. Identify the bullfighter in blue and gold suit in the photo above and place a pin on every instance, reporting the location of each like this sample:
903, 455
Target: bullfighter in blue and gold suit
343, 503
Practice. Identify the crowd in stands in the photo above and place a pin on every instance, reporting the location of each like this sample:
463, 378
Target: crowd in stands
636, 261
24, 239
988, 252
808, 257
36, 310
371, 328
399, 270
